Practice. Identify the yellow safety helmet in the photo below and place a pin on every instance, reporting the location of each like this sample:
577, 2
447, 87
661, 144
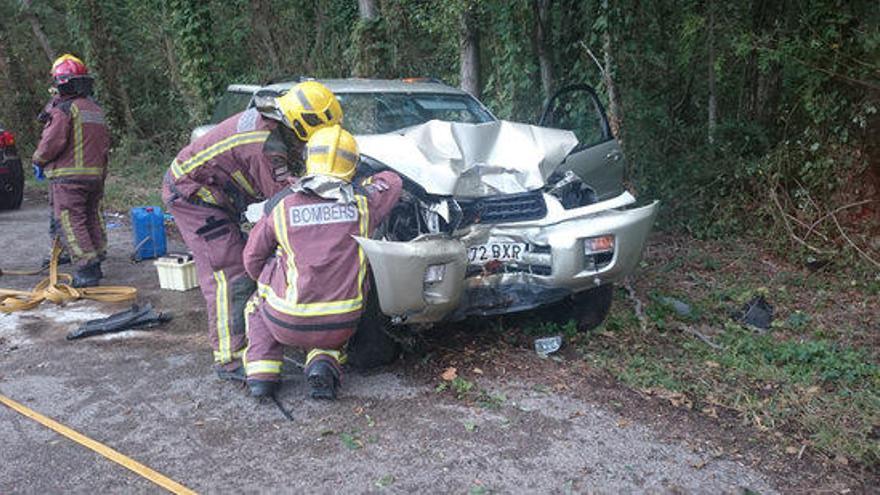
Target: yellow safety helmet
309, 106
332, 151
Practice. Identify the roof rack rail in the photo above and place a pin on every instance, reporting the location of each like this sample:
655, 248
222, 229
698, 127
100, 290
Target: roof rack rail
423, 79
281, 79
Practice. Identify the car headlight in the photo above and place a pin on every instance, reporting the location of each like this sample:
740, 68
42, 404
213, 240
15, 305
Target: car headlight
434, 274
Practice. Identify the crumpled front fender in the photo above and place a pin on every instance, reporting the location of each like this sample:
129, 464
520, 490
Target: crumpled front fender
399, 272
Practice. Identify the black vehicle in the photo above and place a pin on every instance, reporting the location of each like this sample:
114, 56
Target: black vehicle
11, 173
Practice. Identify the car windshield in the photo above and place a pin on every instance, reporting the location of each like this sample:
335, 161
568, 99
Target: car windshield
231, 103
378, 113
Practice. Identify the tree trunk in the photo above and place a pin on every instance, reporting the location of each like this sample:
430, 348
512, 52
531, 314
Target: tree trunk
368, 42
108, 63
469, 53
541, 11
367, 9
615, 116
192, 25
713, 98
261, 20
37, 28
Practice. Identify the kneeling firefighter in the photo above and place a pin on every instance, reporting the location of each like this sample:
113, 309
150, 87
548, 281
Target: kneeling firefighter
312, 275
244, 159
72, 154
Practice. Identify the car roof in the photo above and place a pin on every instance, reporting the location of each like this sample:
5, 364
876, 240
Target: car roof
357, 85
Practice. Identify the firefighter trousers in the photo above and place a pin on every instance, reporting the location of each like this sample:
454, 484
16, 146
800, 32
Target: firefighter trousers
267, 337
77, 219
216, 242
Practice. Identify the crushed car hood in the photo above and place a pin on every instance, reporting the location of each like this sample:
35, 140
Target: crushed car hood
472, 160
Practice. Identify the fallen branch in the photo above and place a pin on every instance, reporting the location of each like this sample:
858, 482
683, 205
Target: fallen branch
706, 340
596, 60
790, 229
834, 211
853, 244
637, 305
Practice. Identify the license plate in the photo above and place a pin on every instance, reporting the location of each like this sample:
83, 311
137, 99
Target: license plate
501, 251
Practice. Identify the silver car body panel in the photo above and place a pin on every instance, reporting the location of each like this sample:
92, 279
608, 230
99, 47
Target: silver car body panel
472, 160
399, 267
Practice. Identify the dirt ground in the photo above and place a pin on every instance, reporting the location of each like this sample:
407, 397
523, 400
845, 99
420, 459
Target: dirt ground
548, 426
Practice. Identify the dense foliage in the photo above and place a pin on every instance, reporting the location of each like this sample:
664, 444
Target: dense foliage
725, 108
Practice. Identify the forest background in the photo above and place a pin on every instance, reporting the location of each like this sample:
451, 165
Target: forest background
738, 115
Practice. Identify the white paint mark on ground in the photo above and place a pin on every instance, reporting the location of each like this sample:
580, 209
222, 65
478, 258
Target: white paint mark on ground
47, 320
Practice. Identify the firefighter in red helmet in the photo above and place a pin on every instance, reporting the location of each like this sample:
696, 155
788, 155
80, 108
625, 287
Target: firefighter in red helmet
72, 154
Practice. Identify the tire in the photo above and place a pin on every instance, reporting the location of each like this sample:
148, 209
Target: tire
588, 308
372, 346
12, 187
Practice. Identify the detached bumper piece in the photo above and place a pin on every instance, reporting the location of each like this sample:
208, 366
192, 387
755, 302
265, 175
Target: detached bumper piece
136, 317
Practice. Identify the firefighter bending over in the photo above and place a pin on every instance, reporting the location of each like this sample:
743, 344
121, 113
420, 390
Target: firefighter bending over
312, 275
244, 159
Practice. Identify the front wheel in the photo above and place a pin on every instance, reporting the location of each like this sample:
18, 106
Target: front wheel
588, 308
372, 346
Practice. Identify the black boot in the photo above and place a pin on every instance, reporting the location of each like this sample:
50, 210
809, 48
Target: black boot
262, 388
235, 375
323, 379
63, 259
88, 275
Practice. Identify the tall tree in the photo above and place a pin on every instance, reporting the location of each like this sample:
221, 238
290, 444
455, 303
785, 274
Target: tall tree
107, 59
369, 42
37, 28
261, 23
469, 48
541, 42
614, 107
712, 105
191, 22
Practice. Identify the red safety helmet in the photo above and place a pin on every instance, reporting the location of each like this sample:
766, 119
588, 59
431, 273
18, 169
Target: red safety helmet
66, 67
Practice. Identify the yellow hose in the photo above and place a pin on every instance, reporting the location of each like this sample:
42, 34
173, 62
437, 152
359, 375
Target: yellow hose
56, 288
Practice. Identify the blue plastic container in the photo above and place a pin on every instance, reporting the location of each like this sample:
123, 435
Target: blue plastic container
148, 232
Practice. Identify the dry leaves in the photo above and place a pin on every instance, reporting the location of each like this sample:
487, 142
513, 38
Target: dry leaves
449, 374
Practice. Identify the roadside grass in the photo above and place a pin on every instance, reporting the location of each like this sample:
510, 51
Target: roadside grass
811, 381
135, 177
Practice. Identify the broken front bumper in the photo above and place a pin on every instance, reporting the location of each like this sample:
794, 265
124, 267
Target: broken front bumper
428, 279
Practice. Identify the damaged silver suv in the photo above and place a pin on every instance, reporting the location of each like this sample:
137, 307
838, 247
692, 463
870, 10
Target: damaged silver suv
496, 217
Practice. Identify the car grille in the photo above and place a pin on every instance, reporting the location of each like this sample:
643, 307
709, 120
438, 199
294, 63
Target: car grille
503, 209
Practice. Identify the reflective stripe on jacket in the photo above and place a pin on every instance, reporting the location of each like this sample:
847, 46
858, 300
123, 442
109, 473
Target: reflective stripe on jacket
316, 280
234, 164
75, 142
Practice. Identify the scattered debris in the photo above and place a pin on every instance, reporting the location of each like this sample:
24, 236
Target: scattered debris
548, 345
706, 340
351, 442
637, 305
135, 317
680, 307
385, 481
757, 313
449, 374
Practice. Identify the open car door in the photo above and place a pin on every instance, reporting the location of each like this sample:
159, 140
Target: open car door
597, 159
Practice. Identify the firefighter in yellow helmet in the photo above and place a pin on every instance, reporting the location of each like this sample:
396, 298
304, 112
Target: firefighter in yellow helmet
312, 274
245, 159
